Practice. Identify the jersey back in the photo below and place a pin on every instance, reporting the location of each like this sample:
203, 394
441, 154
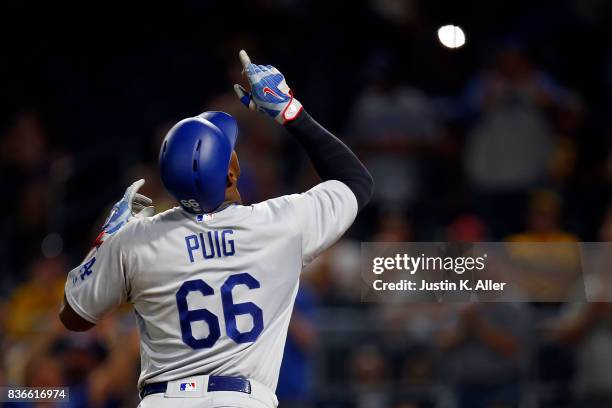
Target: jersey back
213, 294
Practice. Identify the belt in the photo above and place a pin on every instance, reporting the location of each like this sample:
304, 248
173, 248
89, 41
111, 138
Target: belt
215, 383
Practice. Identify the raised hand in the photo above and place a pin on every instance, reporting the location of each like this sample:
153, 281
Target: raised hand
269, 94
131, 205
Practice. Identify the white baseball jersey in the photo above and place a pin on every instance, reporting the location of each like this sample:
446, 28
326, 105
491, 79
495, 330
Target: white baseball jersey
213, 294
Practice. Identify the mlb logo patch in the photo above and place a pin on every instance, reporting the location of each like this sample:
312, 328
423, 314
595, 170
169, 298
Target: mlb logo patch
204, 217
188, 387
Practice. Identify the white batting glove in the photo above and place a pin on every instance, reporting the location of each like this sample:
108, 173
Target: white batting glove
269, 94
131, 205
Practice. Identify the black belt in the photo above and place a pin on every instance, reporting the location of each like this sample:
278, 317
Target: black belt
215, 383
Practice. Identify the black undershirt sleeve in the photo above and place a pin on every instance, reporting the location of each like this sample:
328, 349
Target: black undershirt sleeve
332, 159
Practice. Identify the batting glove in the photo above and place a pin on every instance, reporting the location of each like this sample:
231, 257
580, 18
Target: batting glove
269, 94
131, 205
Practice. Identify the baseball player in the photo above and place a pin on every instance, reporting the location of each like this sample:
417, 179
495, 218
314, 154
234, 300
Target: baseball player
213, 281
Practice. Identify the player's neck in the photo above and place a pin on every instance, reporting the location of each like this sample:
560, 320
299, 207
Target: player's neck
232, 196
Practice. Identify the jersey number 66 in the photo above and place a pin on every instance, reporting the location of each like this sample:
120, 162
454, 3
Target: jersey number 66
230, 311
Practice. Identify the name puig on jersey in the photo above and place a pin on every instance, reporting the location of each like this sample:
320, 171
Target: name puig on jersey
211, 244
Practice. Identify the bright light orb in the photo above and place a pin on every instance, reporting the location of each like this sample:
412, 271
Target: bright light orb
451, 36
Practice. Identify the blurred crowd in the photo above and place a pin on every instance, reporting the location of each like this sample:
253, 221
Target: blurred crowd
507, 139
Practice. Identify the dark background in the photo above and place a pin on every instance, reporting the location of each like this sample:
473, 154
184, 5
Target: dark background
89, 90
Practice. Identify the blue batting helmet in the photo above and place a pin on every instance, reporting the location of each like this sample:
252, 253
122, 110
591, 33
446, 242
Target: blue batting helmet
194, 160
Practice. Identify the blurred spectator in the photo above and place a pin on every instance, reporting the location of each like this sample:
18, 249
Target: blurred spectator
295, 385
543, 222
512, 140
484, 353
407, 338
466, 228
33, 301
334, 275
32, 219
587, 328
23, 166
585, 331
111, 382
23, 149
418, 368
392, 124
44, 371
369, 372
554, 253
393, 226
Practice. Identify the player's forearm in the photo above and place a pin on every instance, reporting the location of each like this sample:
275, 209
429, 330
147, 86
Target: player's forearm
332, 159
